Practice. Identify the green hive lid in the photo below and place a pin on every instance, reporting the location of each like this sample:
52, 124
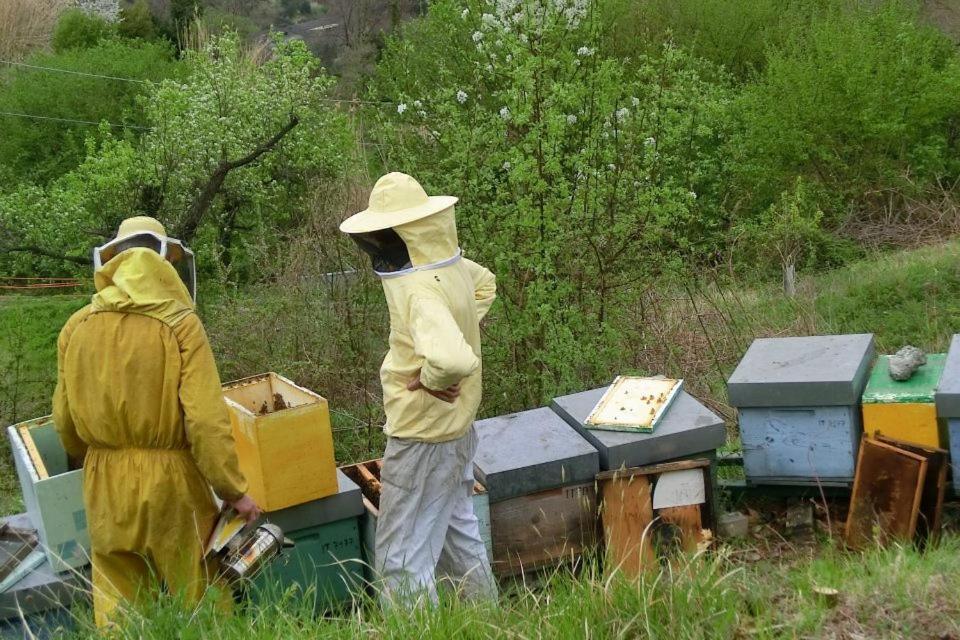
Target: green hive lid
881, 388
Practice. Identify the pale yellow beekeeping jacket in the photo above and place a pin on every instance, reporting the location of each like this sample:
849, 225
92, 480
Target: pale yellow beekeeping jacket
435, 314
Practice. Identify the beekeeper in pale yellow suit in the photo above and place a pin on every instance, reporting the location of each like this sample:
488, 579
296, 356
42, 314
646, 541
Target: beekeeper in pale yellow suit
138, 399
431, 391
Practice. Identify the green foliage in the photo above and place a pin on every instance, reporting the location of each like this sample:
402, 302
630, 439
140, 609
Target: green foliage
787, 233
136, 21
222, 111
77, 29
41, 150
863, 100
580, 179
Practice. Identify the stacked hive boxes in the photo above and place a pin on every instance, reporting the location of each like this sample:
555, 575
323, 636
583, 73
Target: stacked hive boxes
285, 445
948, 406
798, 404
687, 430
539, 475
905, 410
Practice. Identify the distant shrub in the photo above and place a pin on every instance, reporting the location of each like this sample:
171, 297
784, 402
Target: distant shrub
78, 29
136, 21
863, 99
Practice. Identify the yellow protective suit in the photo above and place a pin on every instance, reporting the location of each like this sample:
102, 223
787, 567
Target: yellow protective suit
139, 397
434, 327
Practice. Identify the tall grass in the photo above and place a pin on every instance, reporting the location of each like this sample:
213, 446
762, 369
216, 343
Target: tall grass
26, 25
731, 592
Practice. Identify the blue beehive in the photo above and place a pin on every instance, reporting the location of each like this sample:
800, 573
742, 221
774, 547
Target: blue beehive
947, 399
798, 400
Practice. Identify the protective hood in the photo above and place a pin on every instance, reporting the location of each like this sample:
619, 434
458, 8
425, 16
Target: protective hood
140, 281
432, 239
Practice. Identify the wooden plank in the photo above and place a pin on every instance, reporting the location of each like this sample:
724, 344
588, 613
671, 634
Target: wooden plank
627, 515
688, 524
653, 469
887, 490
542, 529
35, 457
934, 486
369, 480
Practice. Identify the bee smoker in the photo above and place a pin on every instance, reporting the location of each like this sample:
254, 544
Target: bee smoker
252, 553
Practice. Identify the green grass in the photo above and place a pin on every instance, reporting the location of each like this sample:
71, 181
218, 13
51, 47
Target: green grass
733, 592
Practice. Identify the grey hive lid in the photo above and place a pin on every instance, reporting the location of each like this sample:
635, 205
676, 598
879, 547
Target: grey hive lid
802, 372
948, 392
531, 451
687, 428
346, 503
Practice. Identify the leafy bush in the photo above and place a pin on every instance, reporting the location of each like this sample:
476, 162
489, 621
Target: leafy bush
136, 21
863, 99
78, 29
40, 150
580, 178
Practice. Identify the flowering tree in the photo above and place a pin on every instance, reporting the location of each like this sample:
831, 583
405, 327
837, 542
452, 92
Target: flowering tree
229, 154
580, 175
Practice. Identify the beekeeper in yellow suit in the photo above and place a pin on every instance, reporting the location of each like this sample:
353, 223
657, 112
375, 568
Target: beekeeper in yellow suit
138, 399
431, 391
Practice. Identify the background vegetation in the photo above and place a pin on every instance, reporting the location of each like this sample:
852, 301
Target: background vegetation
655, 183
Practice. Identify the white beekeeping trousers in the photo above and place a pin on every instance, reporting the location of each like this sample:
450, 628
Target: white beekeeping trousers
427, 523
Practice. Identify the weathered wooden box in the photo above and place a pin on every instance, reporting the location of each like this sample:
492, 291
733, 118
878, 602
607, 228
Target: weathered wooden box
283, 439
947, 399
905, 410
326, 562
797, 400
687, 429
543, 529
52, 493
367, 475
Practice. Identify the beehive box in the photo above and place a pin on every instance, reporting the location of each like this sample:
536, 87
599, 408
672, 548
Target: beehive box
543, 529
905, 410
283, 440
52, 493
326, 562
797, 400
43, 597
531, 451
947, 399
367, 475
687, 429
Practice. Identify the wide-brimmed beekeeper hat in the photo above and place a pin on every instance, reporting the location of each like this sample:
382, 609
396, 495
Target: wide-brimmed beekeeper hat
396, 199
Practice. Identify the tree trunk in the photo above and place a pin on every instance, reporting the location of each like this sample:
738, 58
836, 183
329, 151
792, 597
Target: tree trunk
789, 279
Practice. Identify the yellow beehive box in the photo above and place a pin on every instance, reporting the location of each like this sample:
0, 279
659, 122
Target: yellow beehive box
283, 439
904, 410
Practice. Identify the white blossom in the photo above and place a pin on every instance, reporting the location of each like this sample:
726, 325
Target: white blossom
461, 96
612, 167
635, 101
505, 113
509, 58
488, 21
401, 107
465, 13
506, 166
422, 113
585, 52
650, 141
417, 104
692, 194
571, 119
622, 114
477, 36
